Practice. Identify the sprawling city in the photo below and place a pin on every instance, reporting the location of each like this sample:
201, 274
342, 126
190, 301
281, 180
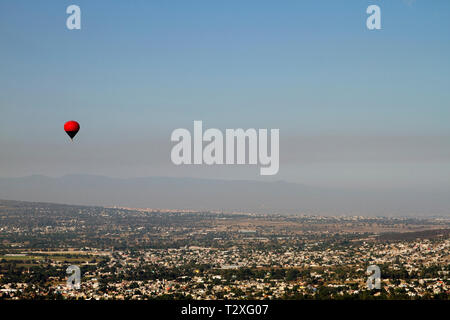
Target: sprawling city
126, 253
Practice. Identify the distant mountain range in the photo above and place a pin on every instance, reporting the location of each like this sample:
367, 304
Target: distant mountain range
226, 195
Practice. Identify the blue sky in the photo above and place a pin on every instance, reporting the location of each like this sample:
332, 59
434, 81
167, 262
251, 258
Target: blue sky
138, 70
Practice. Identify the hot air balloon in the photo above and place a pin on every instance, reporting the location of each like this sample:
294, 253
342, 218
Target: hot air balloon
71, 128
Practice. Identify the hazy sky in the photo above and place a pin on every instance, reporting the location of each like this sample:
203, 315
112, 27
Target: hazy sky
354, 107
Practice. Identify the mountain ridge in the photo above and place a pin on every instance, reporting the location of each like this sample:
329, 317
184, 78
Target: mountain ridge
219, 194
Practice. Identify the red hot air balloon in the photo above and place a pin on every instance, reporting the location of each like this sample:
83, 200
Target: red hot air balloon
71, 128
